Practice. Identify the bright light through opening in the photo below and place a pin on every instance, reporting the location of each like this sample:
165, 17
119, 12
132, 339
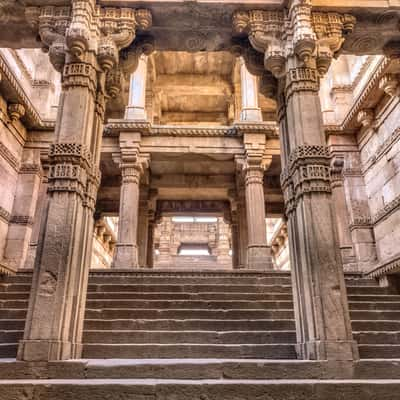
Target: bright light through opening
194, 252
194, 219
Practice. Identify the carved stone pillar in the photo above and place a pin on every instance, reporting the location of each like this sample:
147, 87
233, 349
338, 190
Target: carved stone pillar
150, 244
164, 257
242, 228
143, 230
249, 91
342, 215
223, 247
258, 252
136, 109
297, 51
126, 249
83, 44
22, 217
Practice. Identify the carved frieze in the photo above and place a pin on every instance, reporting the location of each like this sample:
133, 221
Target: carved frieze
4, 215
387, 210
190, 206
9, 156
21, 220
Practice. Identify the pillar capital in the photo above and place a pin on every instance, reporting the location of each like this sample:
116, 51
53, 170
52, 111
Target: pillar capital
311, 38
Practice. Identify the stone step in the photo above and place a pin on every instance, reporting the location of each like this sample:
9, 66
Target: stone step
188, 304
377, 325
197, 288
11, 336
21, 304
8, 350
14, 295
377, 306
177, 314
188, 296
190, 280
373, 297
368, 290
12, 324
204, 337
15, 287
12, 314
221, 389
190, 324
379, 351
201, 368
375, 315
189, 350
377, 337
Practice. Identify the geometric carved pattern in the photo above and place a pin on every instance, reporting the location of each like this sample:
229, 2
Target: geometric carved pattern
308, 171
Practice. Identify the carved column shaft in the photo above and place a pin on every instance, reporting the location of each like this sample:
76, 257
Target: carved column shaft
83, 42
126, 251
54, 320
322, 315
298, 47
258, 252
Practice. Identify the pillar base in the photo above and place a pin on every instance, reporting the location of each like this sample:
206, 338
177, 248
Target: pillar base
259, 257
337, 350
48, 350
251, 114
126, 256
135, 114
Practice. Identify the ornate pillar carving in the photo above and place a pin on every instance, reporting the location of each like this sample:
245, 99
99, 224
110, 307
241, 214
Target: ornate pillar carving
83, 42
298, 48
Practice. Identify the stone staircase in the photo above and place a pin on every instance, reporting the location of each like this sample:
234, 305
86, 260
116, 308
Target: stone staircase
210, 314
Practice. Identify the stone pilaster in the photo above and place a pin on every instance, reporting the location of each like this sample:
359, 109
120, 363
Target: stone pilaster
83, 43
297, 51
41, 206
23, 213
342, 215
143, 228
